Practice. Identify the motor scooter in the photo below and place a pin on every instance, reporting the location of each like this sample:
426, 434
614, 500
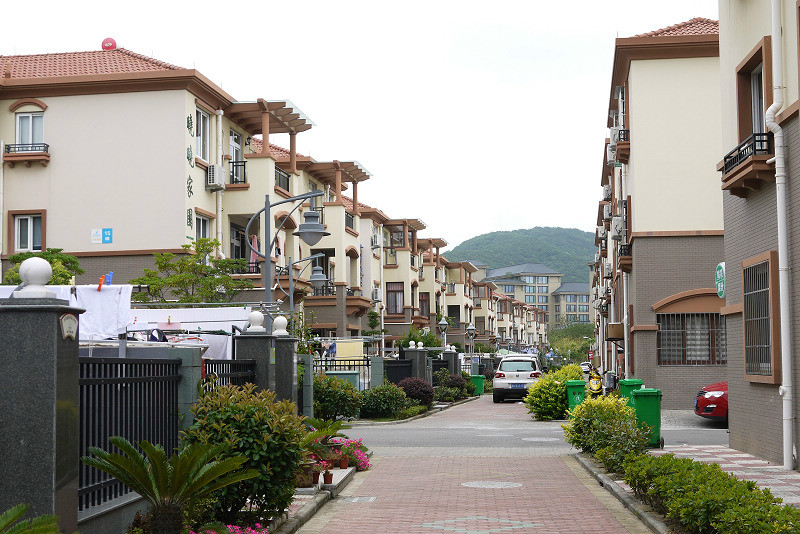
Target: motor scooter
595, 382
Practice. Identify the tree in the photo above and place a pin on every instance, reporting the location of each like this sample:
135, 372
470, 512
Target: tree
193, 277
374, 323
428, 339
64, 266
576, 339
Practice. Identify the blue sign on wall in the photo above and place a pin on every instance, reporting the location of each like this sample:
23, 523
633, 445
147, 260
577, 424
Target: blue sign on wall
108, 235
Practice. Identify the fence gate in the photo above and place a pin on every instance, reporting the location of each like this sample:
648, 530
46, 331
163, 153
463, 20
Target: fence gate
397, 370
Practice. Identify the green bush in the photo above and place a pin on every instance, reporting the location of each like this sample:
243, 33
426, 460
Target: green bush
702, 498
547, 398
418, 389
606, 422
446, 394
335, 398
251, 424
386, 400
411, 411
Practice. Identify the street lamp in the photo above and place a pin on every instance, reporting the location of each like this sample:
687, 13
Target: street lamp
317, 279
442, 326
310, 231
471, 336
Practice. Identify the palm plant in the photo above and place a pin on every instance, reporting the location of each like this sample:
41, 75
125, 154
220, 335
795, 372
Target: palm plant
45, 524
169, 484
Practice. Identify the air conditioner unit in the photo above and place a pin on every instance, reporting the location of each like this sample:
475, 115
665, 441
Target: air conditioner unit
215, 178
607, 212
613, 137
611, 154
601, 232
375, 242
376, 294
607, 190
606, 269
596, 258
616, 229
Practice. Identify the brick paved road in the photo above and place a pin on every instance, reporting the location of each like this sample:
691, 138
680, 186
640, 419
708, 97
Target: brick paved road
504, 484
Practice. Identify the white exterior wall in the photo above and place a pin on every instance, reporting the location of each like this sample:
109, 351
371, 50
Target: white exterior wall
675, 145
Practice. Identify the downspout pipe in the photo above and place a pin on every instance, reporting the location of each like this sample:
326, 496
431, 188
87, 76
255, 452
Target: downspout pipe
220, 250
625, 302
786, 389
2, 199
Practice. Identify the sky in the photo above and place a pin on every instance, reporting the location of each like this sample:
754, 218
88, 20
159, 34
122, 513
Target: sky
471, 116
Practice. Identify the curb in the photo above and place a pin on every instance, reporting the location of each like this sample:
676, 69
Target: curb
291, 525
420, 416
650, 519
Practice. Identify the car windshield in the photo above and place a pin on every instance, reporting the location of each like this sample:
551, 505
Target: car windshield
516, 365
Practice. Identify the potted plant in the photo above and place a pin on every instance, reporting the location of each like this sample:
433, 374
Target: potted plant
339, 458
318, 468
327, 476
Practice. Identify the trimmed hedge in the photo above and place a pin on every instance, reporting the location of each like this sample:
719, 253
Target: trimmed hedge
386, 400
335, 398
417, 388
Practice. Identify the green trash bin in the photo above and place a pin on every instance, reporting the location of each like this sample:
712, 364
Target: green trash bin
478, 381
647, 402
626, 386
576, 392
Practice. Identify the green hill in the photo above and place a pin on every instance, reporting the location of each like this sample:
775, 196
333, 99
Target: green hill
566, 250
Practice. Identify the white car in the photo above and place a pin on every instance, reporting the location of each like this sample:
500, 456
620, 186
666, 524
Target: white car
586, 366
514, 376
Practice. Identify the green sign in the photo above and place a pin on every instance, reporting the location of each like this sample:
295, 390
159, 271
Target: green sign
719, 280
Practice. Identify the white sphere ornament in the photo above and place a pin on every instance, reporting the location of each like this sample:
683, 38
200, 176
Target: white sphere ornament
35, 272
420, 345
279, 326
256, 322
412, 344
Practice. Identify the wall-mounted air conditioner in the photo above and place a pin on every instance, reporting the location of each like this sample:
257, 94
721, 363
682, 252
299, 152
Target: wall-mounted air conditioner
613, 136
215, 178
606, 269
376, 294
607, 212
616, 229
607, 191
601, 232
611, 154
375, 241
596, 258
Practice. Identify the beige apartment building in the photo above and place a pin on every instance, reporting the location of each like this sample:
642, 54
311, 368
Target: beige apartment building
759, 163
660, 224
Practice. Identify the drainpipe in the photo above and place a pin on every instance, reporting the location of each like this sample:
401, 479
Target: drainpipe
2, 198
625, 315
783, 236
220, 250
383, 307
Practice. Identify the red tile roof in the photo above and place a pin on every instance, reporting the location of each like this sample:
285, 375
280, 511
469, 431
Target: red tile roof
80, 64
695, 26
348, 204
277, 152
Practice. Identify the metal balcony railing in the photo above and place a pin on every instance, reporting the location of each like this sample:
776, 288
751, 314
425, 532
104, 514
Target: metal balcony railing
625, 250
252, 267
27, 147
391, 257
624, 135
349, 220
282, 179
758, 144
238, 174
327, 290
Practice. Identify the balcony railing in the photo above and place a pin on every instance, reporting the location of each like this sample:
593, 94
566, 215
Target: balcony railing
624, 135
758, 144
354, 292
391, 257
625, 250
282, 180
327, 290
413, 260
349, 220
27, 147
238, 172
451, 287
252, 267
321, 214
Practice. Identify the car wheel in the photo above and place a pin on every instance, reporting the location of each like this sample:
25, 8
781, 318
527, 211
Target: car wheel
496, 398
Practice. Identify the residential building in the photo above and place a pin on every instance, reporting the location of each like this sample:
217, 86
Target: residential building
759, 167
660, 225
571, 299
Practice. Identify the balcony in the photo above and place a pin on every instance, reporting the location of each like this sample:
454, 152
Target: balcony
26, 154
624, 146
391, 257
238, 174
326, 290
282, 180
349, 220
625, 257
745, 167
451, 287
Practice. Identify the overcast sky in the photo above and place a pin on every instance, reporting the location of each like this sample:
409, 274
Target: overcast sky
471, 116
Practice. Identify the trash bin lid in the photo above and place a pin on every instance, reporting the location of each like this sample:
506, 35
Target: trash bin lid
630, 381
575, 383
647, 392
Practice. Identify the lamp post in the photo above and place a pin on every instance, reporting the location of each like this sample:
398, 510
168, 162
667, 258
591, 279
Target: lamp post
317, 277
471, 335
310, 231
442, 326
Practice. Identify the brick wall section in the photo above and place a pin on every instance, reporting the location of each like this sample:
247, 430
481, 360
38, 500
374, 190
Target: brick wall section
664, 266
750, 229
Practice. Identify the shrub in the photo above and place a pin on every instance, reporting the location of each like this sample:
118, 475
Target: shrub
335, 398
45, 524
606, 422
385, 400
446, 394
417, 388
547, 398
440, 376
269, 434
454, 381
411, 411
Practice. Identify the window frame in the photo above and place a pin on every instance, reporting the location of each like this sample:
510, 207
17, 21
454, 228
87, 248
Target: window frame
30, 140
760, 55
716, 343
13, 230
202, 135
395, 292
771, 258
204, 222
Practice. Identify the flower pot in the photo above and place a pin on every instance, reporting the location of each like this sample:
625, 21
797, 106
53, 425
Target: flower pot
343, 462
327, 478
315, 477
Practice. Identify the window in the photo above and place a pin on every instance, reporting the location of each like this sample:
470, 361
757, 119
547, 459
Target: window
30, 130
583, 308
571, 317
529, 279
237, 169
543, 307
542, 299
584, 318
753, 74
27, 233
201, 225
542, 289
394, 298
760, 317
530, 299
570, 298
530, 289
691, 339
202, 133
572, 308
425, 304
558, 308
757, 98
583, 298
454, 314
508, 290
541, 280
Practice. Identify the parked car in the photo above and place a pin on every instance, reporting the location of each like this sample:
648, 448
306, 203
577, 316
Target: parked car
586, 366
514, 376
712, 401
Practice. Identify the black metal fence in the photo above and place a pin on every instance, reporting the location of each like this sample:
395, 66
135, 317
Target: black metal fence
224, 372
397, 370
133, 398
758, 144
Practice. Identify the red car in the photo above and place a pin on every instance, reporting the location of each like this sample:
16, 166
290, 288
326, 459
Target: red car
712, 401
